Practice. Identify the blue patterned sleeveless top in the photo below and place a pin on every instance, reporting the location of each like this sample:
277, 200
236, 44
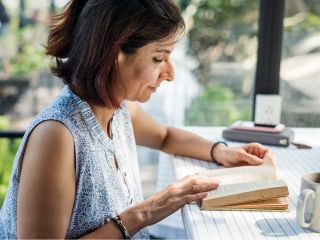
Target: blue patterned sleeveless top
102, 190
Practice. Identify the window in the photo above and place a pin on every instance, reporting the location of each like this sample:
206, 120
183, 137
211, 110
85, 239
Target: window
223, 40
300, 65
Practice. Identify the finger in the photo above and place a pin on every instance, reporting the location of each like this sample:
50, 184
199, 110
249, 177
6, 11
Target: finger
264, 150
253, 144
191, 184
251, 159
251, 147
195, 179
260, 152
256, 149
185, 179
194, 189
269, 158
238, 164
192, 198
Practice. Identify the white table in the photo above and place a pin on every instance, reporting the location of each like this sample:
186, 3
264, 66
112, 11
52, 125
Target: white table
291, 164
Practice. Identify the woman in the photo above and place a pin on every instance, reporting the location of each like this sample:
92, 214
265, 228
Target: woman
75, 173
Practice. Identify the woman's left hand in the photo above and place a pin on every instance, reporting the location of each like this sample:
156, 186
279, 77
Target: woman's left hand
249, 154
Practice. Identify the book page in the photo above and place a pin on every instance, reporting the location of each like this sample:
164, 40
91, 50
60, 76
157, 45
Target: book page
275, 204
242, 174
232, 189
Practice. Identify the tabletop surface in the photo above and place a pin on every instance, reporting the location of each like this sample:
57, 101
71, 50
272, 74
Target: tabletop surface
292, 163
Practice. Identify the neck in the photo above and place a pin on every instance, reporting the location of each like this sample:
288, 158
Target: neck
103, 115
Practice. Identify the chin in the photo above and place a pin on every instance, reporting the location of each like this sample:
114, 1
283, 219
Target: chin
143, 99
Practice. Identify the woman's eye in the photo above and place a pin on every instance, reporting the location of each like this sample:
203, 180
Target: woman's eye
157, 60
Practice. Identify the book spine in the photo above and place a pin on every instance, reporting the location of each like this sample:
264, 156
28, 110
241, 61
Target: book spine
243, 136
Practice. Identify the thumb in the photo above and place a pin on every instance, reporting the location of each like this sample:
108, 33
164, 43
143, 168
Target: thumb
252, 159
269, 158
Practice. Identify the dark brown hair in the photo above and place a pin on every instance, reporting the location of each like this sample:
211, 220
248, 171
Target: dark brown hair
87, 36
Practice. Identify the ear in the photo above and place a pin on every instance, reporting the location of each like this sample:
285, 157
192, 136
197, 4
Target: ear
121, 57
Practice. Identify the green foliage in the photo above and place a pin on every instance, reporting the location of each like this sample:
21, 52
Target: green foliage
221, 21
29, 60
314, 19
8, 149
23, 52
309, 24
216, 107
297, 31
226, 31
183, 3
30, 56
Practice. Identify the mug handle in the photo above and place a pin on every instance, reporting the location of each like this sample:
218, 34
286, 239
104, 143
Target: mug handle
302, 200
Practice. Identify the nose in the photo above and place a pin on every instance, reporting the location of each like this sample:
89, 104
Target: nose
168, 73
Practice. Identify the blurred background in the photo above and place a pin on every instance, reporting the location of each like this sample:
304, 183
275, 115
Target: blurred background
215, 69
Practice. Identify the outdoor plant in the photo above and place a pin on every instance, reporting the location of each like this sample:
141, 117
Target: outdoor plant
216, 106
8, 150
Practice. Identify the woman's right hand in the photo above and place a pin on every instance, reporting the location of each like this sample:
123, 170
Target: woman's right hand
164, 203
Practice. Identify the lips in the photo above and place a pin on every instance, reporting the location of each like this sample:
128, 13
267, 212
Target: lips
153, 89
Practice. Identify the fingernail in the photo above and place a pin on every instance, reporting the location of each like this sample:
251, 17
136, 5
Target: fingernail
215, 184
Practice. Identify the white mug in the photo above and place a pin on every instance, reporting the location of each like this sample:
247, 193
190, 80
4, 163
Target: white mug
308, 208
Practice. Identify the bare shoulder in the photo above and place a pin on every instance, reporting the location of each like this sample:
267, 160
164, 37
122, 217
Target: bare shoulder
47, 182
50, 142
50, 130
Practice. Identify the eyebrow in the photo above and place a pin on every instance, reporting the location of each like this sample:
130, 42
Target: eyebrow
163, 50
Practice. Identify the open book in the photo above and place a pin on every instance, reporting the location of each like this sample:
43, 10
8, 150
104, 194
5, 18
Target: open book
246, 188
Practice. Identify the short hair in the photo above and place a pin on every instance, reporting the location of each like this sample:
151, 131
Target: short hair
87, 36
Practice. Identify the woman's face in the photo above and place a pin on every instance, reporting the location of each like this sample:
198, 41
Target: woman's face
142, 72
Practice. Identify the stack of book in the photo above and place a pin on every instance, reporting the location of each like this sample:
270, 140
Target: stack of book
246, 188
245, 131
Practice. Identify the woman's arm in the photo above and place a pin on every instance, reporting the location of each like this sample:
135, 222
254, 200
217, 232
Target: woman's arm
160, 205
47, 187
48, 184
180, 142
185, 143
